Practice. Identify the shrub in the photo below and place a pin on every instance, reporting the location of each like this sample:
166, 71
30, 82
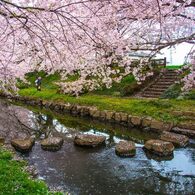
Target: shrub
124, 88
129, 89
172, 92
190, 95
22, 85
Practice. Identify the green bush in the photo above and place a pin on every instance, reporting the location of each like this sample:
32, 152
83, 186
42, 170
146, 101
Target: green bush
190, 95
172, 92
22, 85
124, 88
129, 89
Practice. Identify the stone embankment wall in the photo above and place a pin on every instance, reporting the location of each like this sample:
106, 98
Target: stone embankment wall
105, 115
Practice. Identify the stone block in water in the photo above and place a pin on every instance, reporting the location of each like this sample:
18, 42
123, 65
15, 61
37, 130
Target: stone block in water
176, 139
89, 140
187, 132
125, 149
23, 145
52, 143
159, 147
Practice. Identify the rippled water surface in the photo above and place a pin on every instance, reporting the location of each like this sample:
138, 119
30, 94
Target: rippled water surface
98, 170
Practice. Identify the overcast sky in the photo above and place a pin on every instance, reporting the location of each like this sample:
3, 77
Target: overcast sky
179, 53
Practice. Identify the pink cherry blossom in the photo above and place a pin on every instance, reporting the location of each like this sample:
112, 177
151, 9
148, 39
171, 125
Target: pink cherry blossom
87, 37
189, 80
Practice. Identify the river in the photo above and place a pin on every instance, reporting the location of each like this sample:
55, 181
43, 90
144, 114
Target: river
96, 170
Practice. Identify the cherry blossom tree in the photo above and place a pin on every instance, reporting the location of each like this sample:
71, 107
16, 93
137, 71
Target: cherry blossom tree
88, 37
189, 80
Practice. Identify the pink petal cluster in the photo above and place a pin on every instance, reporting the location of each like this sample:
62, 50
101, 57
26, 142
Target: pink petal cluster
189, 80
86, 37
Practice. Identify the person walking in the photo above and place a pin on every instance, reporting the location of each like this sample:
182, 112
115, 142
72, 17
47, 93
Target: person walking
38, 83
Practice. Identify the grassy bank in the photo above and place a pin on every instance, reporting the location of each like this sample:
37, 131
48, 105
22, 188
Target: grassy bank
155, 108
126, 87
15, 181
111, 99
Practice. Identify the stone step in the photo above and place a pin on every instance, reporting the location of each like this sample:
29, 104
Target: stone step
163, 83
159, 86
151, 95
156, 89
162, 86
153, 92
169, 77
170, 71
167, 80
170, 74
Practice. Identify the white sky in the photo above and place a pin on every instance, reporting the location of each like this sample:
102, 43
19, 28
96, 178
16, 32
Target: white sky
179, 52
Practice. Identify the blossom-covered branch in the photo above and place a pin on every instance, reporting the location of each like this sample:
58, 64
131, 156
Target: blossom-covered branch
87, 37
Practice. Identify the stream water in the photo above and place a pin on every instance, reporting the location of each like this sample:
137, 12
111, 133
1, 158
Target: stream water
97, 170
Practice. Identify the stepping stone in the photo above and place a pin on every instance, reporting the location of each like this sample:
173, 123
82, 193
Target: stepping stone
159, 147
187, 132
159, 158
23, 145
176, 139
125, 149
2, 140
89, 140
52, 143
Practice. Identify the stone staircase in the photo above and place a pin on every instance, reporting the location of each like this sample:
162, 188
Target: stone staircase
161, 84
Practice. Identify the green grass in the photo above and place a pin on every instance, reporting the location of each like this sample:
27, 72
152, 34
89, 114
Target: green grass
126, 87
174, 67
107, 99
15, 181
158, 109
48, 81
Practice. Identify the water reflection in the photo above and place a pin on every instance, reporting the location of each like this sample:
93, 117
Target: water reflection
43, 124
150, 155
99, 170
